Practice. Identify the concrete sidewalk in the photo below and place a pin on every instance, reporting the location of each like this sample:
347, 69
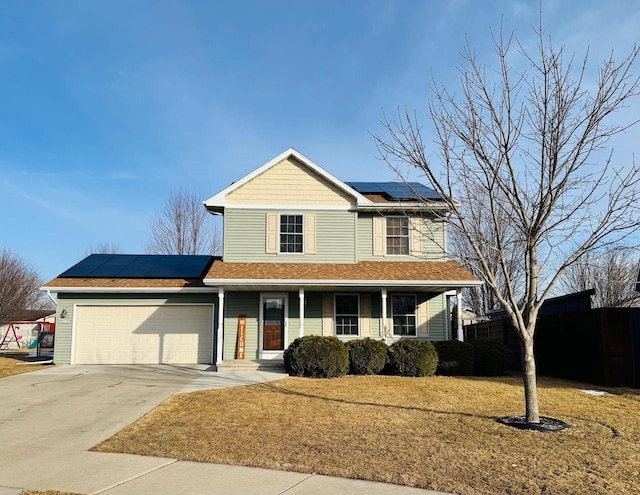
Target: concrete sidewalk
50, 418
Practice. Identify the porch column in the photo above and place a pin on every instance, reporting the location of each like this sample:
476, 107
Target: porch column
384, 313
220, 340
459, 314
301, 295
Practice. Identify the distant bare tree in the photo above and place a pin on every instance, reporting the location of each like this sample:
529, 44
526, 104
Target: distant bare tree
19, 286
103, 248
183, 227
612, 274
528, 139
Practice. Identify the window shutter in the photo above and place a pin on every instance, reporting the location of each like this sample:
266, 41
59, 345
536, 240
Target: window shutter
365, 315
272, 233
423, 319
378, 236
310, 233
327, 315
416, 237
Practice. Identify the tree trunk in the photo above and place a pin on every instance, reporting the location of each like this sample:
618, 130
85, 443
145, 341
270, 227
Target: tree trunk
529, 378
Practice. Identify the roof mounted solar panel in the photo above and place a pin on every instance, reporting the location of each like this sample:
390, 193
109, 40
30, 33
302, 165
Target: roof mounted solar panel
399, 191
140, 266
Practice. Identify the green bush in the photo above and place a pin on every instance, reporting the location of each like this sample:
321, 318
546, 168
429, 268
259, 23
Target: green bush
318, 357
366, 356
491, 358
454, 358
413, 358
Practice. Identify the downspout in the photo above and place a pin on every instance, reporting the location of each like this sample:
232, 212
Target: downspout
459, 314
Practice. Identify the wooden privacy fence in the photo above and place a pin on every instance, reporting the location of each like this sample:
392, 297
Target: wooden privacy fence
599, 346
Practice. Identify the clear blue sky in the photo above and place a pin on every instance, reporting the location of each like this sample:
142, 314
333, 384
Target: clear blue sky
108, 105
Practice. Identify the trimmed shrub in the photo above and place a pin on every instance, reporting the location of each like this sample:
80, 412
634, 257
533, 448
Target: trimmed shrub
316, 356
454, 358
491, 358
366, 356
413, 358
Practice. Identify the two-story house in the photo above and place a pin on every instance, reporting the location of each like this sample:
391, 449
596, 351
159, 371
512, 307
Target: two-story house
304, 254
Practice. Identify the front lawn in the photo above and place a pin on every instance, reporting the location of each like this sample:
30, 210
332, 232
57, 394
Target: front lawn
438, 433
14, 363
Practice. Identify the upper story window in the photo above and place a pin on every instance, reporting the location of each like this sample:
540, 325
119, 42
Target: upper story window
291, 236
403, 307
347, 314
397, 235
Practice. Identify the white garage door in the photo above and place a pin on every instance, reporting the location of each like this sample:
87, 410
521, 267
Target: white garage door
169, 334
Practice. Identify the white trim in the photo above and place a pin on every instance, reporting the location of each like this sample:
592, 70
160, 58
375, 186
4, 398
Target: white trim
383, 297
279, 354
240, 206
72, 354
219, 200
301, 311
303, 234
415, 314
386, 236
220, 340
130, 290
335, 314
72, 357
345, 283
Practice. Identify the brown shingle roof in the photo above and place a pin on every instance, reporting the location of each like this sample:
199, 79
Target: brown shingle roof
364, 270
123, 282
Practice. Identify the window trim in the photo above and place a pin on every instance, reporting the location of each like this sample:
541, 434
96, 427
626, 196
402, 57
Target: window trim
415, 315
335, 315
386, 235
302, 234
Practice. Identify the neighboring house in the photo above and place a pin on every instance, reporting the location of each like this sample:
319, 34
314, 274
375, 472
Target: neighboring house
304, 254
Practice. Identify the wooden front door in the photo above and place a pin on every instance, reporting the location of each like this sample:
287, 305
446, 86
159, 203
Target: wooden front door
273, 323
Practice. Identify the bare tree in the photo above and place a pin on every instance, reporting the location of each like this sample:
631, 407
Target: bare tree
481, 299
612, 274
19, 286
102, 248
533, 141
183, 227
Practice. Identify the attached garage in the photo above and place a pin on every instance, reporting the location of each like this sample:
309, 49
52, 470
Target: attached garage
143, 334
136, 309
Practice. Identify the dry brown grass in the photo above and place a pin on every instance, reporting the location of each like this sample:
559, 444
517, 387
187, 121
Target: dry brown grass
13, 363
47, 492
438, 433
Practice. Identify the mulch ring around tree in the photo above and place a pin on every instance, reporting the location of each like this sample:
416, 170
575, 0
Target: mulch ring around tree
546, 425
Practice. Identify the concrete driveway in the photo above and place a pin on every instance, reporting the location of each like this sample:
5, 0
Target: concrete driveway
50, 418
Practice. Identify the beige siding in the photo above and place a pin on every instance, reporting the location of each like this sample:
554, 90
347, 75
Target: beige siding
246, 237
304, 188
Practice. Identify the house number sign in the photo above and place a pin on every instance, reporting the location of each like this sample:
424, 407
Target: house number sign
242, 336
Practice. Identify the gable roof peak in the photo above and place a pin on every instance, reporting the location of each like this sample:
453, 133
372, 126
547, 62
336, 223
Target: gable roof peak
217, 203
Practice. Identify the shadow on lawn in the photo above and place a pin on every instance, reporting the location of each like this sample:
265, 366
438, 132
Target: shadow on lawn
286, 391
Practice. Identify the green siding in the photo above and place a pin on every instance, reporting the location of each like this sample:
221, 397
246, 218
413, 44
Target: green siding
245, 237
236, 304
66, 301
433, 240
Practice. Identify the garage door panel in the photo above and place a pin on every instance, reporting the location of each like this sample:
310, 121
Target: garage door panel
170, 334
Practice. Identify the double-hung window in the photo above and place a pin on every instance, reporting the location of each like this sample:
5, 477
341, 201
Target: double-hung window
404, 314
397, 235
347, 314
291, 236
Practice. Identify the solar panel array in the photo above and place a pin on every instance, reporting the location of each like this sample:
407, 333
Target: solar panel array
139, 266
396, 190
